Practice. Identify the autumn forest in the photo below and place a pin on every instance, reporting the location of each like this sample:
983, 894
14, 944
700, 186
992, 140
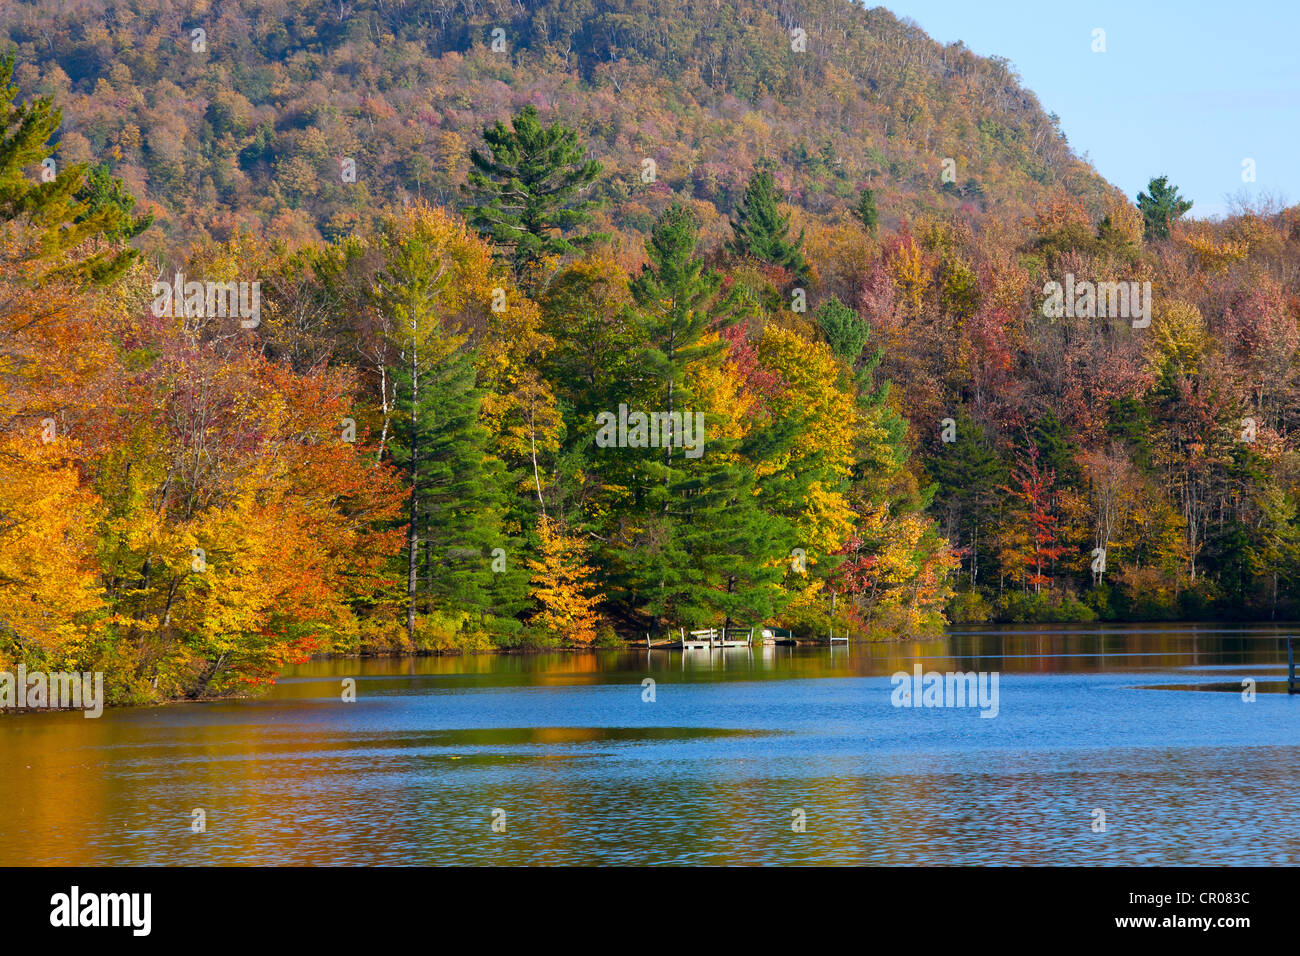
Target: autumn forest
434, 326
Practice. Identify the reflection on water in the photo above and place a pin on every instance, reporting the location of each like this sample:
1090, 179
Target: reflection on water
589, 770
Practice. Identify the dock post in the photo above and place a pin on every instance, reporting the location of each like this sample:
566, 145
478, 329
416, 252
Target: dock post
1290, 665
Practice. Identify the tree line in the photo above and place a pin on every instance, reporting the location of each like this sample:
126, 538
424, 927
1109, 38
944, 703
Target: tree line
405, 453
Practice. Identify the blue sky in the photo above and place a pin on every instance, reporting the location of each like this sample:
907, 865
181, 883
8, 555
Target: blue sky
1189, 89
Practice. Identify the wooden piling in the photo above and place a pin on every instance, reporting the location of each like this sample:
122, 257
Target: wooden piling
1290, 665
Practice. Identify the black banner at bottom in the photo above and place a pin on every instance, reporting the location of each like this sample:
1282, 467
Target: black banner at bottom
337, 906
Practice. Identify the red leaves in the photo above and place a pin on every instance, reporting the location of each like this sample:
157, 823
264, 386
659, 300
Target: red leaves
1034, 487
742, 353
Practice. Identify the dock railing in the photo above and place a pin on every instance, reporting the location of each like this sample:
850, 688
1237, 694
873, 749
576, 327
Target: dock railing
708, 637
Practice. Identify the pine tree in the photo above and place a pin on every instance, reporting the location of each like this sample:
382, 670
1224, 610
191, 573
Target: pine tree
844, 330
969, 475
762, 231
454, 512
738, 550
1161, 207
457, 494
707, 551
865, 211
1056, 449
57, 209
525, 190
700, 548
100, 192
678, 299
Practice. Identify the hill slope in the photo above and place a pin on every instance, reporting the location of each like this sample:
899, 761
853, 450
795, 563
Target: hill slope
250, 129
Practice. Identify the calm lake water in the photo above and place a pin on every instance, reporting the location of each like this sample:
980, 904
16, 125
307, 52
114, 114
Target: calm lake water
1144, 723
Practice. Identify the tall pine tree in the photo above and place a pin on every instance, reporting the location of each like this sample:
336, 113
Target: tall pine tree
1161, 208
762, 231
701, 549
678, 300
865, 211
526, 190
454, 513
61, 208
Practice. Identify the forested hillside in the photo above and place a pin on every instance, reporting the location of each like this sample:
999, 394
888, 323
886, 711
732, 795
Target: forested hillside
328, 327
250, 133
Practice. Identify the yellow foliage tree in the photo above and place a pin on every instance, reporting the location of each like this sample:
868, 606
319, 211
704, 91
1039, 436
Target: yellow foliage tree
562, 585
48, 579
812, 393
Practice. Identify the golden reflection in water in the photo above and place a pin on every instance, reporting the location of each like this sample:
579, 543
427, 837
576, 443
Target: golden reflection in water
294, 778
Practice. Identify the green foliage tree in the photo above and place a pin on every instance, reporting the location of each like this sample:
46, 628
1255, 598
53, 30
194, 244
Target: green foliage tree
732, 543
865, 211
969, 474
762, 231
526, 190
678, 298
844, 330
1057, 449
458, 493
1161, 207
702, 546
102, 191
64, 211
457, 489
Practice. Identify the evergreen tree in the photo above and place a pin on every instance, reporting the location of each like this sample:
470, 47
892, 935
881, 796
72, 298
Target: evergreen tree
677, 301
454, 513
457, 494
56, 204
1161, 208
1130, 421
844, 330
707, 552
865, 211
1275, 547
700, 549
737, 549
101, 191
525, 190
762, 231
1057, 450
969, 475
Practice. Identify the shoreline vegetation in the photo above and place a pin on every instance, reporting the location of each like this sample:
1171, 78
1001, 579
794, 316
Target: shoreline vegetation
537, 364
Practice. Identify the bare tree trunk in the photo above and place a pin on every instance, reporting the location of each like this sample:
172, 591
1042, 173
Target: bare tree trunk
413, 527
532, 441
383, 405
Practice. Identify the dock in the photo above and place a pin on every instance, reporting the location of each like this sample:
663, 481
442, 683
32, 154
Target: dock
707, 639
714, 638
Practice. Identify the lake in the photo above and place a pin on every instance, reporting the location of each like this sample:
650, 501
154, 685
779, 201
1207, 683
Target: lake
1110, 745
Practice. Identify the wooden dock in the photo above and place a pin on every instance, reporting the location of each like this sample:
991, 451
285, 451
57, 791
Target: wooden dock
708, 639
713, 638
